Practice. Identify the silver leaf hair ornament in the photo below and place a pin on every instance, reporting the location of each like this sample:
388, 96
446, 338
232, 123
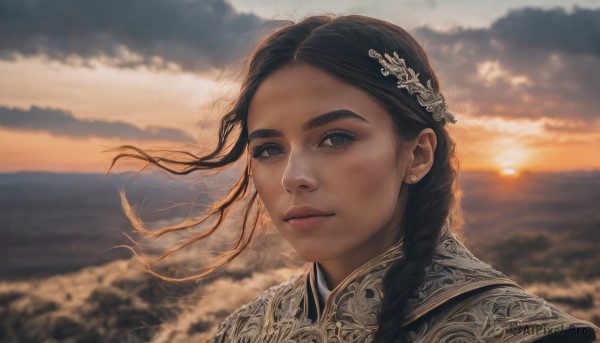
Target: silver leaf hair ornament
433, 101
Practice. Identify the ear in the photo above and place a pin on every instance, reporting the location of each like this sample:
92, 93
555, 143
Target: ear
421, 156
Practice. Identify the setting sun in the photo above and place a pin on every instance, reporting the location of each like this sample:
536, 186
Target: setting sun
509, 172
510, 156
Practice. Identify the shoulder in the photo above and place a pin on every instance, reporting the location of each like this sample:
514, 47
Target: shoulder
502, 314
253, 313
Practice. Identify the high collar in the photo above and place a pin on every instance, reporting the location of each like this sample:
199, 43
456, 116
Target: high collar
321, 283
453, 271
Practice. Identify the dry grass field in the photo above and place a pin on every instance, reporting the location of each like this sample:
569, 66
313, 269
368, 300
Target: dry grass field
116, 301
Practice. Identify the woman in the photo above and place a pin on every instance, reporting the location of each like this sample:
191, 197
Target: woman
345, 129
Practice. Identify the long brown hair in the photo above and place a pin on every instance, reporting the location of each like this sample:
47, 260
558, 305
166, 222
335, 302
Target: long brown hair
339, 46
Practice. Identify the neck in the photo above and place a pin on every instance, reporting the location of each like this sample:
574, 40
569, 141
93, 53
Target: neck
338, 269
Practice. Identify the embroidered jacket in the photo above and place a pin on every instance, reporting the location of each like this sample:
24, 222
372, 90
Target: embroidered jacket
462, 299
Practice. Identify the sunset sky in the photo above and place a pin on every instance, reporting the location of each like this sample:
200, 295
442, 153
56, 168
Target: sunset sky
77, 77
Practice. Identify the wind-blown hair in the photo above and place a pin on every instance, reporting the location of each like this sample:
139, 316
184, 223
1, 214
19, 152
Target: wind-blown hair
338, 46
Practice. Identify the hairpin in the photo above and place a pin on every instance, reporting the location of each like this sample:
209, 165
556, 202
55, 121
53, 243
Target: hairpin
407, 78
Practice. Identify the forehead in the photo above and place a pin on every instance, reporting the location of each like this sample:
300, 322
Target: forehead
293, 94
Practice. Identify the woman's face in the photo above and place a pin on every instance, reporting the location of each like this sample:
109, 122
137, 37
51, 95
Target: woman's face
347, 167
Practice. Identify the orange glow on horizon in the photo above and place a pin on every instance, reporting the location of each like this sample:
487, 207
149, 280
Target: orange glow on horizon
509, 172
195, 103
40, 151
43, 152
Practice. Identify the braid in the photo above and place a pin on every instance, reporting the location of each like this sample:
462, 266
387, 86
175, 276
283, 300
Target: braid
428, 206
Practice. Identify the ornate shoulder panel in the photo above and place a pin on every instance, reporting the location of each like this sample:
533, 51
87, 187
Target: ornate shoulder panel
502, 314
453, 271
249, 319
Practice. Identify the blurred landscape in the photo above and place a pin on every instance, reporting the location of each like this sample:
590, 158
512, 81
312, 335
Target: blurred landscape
61, 281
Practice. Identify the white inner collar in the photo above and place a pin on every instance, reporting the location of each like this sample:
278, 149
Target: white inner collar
324, 291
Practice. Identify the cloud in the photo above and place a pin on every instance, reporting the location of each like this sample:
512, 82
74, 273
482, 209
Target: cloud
531, 63
62, 123
192, 35
551, 30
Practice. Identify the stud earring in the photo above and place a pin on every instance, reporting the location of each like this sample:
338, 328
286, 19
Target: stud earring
413, 178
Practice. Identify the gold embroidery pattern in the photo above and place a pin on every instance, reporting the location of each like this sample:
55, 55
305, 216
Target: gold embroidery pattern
502, 314
453, 271
350, 315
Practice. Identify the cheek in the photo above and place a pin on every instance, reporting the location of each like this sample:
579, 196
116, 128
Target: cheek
267, 185
370, 170
369, 181
257, 181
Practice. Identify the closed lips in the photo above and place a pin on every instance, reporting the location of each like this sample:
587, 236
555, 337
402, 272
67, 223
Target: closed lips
314, 215
304, 212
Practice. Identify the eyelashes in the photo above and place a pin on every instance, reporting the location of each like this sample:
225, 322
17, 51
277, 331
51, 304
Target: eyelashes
329, 135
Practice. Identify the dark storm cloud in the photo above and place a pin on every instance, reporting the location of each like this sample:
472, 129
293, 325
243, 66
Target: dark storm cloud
61, 123
555, 53
551, 30
193, 34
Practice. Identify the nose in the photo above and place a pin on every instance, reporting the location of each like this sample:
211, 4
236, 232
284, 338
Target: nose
299, 173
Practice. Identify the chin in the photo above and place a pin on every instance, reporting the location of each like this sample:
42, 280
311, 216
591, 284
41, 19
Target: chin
310, 254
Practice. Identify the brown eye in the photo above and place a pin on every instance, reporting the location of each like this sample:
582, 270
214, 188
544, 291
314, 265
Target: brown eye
257, 152
338, 139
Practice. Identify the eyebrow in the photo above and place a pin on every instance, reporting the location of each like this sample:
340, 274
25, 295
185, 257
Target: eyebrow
313, 123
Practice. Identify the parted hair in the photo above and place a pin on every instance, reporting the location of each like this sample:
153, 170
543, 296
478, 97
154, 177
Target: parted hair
337, 45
